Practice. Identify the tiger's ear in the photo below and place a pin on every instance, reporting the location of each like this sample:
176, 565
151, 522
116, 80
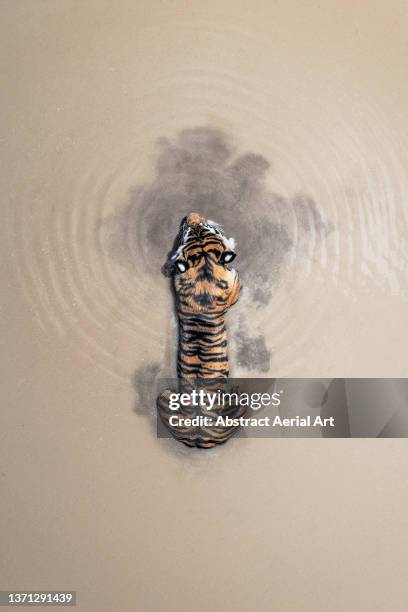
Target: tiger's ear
170, 268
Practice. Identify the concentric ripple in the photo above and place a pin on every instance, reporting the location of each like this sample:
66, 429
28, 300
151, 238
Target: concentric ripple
327, 212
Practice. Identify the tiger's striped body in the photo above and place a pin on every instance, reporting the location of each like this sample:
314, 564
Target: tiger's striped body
205, 288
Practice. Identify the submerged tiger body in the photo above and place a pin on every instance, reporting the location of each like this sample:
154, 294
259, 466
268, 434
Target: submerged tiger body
205, 287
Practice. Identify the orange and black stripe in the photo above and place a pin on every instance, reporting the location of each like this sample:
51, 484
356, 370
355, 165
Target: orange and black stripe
205, 288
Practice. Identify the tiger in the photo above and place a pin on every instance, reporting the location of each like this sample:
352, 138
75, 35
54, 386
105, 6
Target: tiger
205, 287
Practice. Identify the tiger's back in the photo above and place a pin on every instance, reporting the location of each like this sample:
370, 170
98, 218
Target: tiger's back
205, 288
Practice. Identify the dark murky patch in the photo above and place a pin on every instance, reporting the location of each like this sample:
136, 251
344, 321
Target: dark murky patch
251, 351
198, 171
145, 385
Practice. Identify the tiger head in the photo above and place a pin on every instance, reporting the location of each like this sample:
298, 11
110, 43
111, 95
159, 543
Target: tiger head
199, 263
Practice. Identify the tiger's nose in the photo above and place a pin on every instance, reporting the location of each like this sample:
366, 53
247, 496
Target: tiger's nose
194, 219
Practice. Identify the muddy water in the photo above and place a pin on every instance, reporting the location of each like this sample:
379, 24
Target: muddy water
285, 122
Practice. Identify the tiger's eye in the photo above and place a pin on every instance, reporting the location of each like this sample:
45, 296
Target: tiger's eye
181, 266
227, 256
